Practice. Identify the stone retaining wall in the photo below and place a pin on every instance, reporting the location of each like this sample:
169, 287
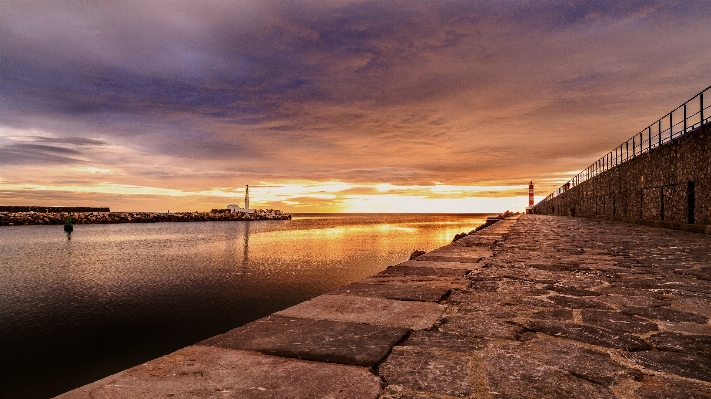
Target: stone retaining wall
670, 186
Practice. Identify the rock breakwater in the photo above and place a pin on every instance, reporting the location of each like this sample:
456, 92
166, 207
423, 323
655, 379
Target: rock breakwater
33, 218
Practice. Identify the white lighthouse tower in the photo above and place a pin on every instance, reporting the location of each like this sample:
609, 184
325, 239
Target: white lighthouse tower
246, 199
236, 208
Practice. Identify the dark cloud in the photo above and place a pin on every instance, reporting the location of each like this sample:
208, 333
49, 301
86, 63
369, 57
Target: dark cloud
37, 154
363, 91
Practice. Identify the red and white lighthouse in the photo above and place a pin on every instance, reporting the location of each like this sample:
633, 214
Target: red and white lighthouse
530, 195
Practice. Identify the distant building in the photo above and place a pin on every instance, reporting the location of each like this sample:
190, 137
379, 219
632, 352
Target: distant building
236, 208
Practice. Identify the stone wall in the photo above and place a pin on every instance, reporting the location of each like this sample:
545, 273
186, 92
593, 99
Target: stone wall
669, 186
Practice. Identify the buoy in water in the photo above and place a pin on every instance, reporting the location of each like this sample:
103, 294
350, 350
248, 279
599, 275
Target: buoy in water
68, 227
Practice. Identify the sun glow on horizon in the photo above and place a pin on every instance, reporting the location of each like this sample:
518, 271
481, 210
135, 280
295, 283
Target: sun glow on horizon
301, 196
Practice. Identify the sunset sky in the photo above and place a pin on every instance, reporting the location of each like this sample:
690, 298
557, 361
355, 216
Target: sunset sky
340, 106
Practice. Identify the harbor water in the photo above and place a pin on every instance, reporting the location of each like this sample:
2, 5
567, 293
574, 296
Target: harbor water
76, 308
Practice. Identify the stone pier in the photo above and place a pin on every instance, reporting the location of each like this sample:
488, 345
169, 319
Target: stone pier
534, 307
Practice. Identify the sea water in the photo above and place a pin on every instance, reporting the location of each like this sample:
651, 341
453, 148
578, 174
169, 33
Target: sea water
76, 308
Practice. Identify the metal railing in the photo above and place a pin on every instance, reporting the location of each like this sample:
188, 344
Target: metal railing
680, 121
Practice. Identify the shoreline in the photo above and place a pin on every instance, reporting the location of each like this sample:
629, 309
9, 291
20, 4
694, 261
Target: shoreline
57, 218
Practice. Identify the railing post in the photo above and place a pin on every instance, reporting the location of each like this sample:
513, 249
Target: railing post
671, 126
684, 118
659, 134
627, 150
641, 141
649, 134
634, 152
701, 103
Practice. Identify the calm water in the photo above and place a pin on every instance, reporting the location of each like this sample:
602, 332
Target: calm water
113, 296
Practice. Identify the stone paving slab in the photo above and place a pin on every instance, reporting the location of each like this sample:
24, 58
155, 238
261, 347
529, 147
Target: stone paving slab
658, 387
375, 311
445, 341
419, 281
319, 340
478, 241
455, 257
457, 248
209, 372
428, 370
417, 262
512, 374
689, 365
425, 271
391, 291
404, 287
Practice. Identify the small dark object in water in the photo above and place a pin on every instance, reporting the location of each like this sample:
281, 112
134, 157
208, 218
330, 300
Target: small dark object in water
69, 227
416, 254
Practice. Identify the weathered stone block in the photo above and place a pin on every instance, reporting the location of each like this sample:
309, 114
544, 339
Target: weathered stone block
403, 293
684, 364
209, 372
428, 370
376, 311
618, 321
589, 335
663, 314
319, 340
445, 341
425, 271
512, 375
676, 342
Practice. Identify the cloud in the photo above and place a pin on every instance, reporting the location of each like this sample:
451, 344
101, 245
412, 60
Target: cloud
193, 96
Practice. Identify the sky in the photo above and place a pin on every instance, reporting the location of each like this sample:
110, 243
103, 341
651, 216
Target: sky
330, 106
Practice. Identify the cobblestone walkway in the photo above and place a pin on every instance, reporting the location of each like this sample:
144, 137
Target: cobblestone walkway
570, 308
539, 307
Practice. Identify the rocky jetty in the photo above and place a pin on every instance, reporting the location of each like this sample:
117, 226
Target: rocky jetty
25, 218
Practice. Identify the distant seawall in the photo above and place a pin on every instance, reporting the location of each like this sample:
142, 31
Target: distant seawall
669, 186
24, 218
75, 209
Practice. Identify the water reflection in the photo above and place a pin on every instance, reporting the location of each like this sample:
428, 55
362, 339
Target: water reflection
245, 251
77, 309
